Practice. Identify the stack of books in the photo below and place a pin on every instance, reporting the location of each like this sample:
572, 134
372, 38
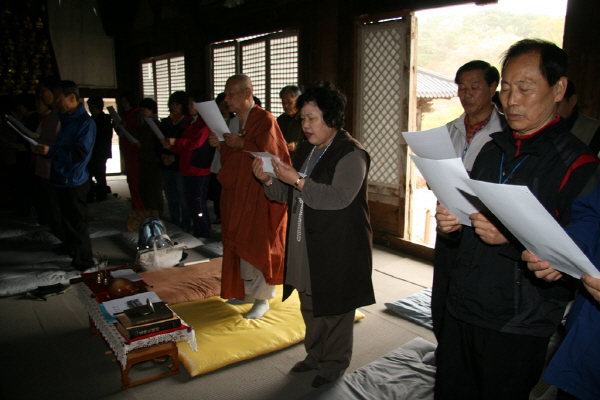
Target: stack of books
142, 321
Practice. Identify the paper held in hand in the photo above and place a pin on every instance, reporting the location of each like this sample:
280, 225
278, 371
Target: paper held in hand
433, 144
210, 113
266, 157
445, 178
154, 128
525, 217
123, 131
113, 114
120, 128
443, 170
27, 138
19, 127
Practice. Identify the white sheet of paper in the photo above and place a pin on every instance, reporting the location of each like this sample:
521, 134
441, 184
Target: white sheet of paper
523, 215
434, 144
125, 132
154, 128
27, 138
113, 114
126, 273
266, 157
446, 180
210, 113
21, 128
118, 306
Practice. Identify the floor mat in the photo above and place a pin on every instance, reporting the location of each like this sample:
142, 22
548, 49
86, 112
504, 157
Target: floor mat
415, 308
224, 337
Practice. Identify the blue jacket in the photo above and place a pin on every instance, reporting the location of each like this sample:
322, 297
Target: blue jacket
73, 149
575, 367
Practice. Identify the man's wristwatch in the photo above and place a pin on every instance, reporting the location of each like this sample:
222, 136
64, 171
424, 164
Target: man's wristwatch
297, 182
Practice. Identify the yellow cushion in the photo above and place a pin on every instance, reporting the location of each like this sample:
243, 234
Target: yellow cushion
224, 336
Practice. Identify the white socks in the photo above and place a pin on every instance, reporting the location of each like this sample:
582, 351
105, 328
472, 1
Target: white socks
248, 299
259, 309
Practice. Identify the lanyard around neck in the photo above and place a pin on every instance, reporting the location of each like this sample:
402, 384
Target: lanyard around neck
310, 156
511, 172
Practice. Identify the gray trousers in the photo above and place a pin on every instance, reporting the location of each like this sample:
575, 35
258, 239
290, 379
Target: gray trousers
328, 341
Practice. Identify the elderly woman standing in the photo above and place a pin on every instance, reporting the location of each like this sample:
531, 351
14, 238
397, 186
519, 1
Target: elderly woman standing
329, 258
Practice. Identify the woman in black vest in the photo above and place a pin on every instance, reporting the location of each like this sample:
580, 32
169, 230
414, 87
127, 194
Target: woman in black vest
329, 258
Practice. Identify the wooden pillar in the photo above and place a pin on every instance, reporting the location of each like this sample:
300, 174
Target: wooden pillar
319, 41
581, 43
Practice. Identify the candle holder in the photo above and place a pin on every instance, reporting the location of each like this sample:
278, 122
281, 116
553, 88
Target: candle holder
99, 274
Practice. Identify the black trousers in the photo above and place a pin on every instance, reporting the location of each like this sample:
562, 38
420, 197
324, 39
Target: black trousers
196, 191
477, 363
150, 187
47, 207
445, 253
97, 170
76, 236
214, 194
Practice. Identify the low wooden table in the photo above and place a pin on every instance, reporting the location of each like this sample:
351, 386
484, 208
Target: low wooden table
129, 353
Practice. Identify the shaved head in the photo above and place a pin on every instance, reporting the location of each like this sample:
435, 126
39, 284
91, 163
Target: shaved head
238, 93
240, 81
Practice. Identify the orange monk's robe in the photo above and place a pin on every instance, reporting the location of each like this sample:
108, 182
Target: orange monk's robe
253, 227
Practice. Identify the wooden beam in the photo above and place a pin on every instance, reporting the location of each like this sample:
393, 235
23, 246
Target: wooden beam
399, 244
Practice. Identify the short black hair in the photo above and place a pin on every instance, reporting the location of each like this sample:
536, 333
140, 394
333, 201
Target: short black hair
220, 97
130, 97
97, 101
295, 90
554, 61
257, 101
180, 97
330, 101
490, 73
68, 87
150, 105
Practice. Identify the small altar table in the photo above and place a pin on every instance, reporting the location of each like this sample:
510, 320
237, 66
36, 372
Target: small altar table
129, 353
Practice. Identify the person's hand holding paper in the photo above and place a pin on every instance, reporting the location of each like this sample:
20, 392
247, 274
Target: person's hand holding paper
40, 149
154, 128
116, 119
213, 139
234, 141
445, 178
523, 215
266, 159
446, 222
540, 268
487, 230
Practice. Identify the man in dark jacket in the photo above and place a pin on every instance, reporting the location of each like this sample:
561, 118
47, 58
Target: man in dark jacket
289, 121
102, 149
68, 171
499, 317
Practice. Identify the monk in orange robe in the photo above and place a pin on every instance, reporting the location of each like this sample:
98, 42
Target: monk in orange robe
253, 227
